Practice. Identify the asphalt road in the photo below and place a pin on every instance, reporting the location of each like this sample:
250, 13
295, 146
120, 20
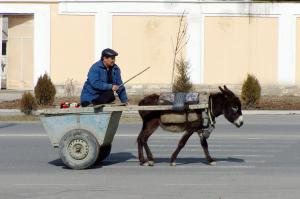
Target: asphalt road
259, 160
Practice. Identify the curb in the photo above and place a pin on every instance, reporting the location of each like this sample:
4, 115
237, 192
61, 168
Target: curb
271, 112
4, 112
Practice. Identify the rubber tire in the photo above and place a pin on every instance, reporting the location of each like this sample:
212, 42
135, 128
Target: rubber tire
104, 153
93, 145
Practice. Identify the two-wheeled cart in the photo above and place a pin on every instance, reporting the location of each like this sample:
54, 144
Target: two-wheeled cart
84, 135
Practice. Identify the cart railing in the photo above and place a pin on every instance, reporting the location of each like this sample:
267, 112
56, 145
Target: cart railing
117, 107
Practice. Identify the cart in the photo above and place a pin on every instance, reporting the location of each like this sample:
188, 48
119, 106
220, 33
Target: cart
84, 135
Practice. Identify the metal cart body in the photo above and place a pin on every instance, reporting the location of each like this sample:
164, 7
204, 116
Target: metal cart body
102, 125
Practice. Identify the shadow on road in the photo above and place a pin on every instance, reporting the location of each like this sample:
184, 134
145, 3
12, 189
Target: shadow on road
116, 158
189, 160
57, 162
7, 125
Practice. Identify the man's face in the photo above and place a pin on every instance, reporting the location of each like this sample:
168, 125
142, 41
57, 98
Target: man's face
109, 61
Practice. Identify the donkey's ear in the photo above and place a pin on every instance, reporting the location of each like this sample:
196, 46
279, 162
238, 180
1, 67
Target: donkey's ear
221, 89
225, 88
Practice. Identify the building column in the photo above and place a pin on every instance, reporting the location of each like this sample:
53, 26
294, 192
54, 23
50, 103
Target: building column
287, 48
41, 43
103, 32
1, 26
194, 47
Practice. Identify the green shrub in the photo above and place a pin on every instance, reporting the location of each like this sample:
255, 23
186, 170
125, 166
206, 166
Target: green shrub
182, 81
251, 91
28, 103
44, 90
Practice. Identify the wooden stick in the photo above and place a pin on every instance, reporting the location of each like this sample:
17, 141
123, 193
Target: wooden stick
134, 76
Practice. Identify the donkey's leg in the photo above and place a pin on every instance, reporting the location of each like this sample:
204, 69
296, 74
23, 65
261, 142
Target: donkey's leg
181, 144
152, 127
140, 147
204, 145
148, 129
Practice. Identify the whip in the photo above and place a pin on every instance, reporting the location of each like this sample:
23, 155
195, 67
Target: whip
134, 76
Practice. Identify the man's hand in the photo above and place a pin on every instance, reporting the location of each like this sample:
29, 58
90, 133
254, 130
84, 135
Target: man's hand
115, 87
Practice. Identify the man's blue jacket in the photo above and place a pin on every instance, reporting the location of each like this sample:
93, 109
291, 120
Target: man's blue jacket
97, 83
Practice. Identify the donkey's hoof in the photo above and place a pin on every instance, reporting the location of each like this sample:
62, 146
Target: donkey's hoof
213, 163
151, 163
145, 164
173, 164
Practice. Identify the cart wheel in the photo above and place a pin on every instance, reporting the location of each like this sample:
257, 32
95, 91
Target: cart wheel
78, 149
104, 152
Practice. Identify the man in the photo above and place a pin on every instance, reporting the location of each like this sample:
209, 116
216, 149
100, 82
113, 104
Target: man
104, 78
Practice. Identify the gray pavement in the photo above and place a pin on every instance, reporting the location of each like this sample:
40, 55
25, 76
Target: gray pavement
259, 160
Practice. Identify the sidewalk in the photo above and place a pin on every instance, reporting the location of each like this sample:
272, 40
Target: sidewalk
9, 95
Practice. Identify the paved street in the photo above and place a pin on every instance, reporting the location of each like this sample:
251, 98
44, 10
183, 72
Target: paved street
259, 160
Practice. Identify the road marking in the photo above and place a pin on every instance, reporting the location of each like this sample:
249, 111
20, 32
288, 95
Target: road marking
254, 141
217, 160
255, 161
217, 156
252, 155
216, 137
244, 161
248, 146
211, 150
241, 136
22, 135
287, 137
214, 184
51, 184
179, 165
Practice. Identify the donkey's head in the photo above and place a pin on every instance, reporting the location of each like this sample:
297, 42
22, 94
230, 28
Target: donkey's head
232, 107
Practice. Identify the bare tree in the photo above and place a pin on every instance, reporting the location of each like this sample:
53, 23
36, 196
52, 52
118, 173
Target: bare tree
69, 88
181, 42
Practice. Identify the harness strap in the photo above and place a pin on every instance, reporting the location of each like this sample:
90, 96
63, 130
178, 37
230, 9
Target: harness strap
210, 112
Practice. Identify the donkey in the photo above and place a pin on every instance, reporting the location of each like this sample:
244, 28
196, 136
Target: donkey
223, 102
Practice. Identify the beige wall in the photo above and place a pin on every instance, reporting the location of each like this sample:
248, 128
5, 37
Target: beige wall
72, 46
298, 53
144, 41
235, 46
20, 52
